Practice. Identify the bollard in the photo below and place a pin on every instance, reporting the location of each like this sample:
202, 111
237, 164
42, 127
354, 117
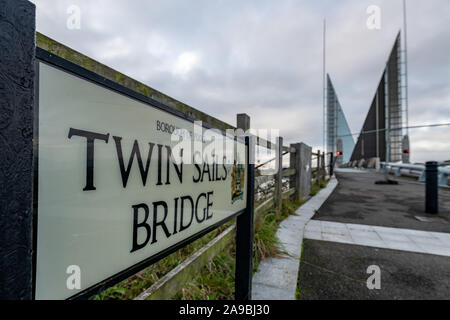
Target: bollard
431, 188
324, 167
331, 164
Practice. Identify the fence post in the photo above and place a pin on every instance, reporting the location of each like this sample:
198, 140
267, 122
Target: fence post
243, 122
294, 163
301, 162
431, 188
17, 56
279, 176
244, 224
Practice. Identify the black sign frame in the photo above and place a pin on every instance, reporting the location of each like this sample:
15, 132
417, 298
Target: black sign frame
244, 217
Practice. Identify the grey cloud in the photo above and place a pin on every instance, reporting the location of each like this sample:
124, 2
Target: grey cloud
265, 57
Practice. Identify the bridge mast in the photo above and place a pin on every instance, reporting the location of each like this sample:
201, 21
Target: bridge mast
324, 92
405, 48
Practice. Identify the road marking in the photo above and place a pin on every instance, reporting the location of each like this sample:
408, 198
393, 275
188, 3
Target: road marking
436, 243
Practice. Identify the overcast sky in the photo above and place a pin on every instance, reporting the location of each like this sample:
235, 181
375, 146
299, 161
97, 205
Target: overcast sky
264, 57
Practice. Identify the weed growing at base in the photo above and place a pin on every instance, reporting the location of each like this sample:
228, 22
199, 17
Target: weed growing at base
216, 280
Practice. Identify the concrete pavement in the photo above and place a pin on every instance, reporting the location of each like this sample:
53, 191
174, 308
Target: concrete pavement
337, 271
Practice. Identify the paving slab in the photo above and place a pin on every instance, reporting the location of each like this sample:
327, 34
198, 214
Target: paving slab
265, 292
380, 237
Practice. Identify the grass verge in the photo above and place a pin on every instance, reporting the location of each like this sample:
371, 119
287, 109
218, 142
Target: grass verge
216, 279
316, 187
133, 286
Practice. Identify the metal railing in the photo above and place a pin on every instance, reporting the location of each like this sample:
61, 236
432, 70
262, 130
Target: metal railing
416, 170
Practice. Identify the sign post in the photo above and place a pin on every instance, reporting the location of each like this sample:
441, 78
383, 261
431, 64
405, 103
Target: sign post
244, 225
17, 43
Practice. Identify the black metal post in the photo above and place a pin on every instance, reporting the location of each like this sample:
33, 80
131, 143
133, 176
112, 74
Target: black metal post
324, 168
331, 164
431, 188
17, 57
244, 235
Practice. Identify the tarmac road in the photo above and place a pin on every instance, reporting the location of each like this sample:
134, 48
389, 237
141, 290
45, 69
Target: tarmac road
334, 271
331, 270
358, 200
